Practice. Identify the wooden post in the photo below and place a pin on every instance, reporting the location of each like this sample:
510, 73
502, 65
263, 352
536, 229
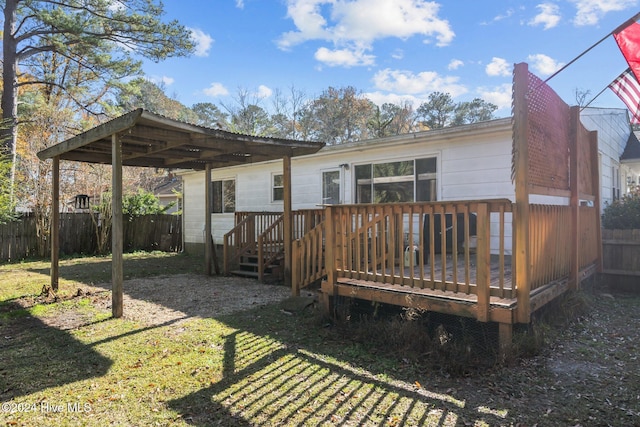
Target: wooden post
595, 179
505, 339
287, 224
484, 262
574, 201
208, 243
116, 226
521, 211
55, 223
329, 285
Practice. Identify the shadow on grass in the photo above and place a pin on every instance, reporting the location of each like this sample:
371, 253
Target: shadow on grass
35, 356
271, 378
95, 270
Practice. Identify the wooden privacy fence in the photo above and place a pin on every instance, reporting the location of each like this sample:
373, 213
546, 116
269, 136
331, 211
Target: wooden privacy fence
19, 239
621, 252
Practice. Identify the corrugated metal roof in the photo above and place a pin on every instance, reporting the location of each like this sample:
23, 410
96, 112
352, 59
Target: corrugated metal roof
152, 140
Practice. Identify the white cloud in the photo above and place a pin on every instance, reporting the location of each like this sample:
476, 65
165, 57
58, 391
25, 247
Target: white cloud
240, 4
498, 67
355, 25
549, 16
501, 17
264, 92
415, 84
216, 89
162, 80
544, 64
380, 98
343, 57
455, 64
500, 95
397, 54
589, 12
202, 41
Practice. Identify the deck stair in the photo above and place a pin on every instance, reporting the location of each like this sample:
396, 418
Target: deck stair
249, 266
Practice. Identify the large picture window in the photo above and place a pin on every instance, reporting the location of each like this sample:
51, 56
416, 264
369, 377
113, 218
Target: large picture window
401, 181
223, 198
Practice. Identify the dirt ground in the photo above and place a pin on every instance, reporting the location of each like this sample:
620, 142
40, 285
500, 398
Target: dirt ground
172, 299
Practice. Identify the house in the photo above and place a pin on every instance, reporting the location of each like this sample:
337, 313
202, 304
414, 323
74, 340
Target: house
169, 193
469, 162
490, 220
460, 163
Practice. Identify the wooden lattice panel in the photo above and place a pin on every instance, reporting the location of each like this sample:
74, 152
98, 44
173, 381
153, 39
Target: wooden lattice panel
548, 136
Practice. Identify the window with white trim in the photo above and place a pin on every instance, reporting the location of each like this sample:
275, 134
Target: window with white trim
277, 187
331, 187
223, 194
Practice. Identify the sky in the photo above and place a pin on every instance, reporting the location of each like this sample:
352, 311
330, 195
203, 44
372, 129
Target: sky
392, 50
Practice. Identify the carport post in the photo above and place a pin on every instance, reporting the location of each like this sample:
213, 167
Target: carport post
288, 224
116, 226
55, 222
208, 243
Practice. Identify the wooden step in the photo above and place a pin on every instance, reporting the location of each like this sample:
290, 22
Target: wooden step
248, 273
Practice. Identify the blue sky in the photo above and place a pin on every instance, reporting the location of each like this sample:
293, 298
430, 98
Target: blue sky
392, 50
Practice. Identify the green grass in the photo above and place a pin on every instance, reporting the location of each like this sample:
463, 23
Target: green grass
264, 367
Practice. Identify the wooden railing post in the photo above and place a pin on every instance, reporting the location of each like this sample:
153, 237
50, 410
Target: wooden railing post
329, 285
521, 211
484, 261
574, 280
295, 268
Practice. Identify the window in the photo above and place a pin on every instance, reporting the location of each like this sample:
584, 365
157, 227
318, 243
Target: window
223, 198
277, 192
402, 181
331, 187
615, 183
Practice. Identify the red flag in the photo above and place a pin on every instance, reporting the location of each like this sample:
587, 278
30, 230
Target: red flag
627, 88
628, 39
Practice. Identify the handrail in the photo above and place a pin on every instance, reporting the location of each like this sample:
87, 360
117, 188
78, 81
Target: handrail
308, 263
236, 242
270, 245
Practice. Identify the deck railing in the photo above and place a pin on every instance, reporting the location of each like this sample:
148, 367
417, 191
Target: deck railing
270, 245
308, 264
550, 237
439, 245
262, 234
549, 244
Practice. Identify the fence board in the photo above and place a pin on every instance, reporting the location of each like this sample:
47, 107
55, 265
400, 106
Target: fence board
621, 252
19, 240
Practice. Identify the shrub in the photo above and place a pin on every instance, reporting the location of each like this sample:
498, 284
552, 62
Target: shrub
623, 214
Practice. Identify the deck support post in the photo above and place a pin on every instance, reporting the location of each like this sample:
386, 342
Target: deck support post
505, 339
55, 223
117, 226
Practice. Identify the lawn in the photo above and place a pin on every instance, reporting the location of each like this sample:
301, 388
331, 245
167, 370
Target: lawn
65, 361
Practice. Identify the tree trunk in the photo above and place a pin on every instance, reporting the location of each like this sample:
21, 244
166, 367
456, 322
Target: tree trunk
8, 130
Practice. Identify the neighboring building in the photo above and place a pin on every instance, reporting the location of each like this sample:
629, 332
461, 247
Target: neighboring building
169, 192
618, 151
469, 162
